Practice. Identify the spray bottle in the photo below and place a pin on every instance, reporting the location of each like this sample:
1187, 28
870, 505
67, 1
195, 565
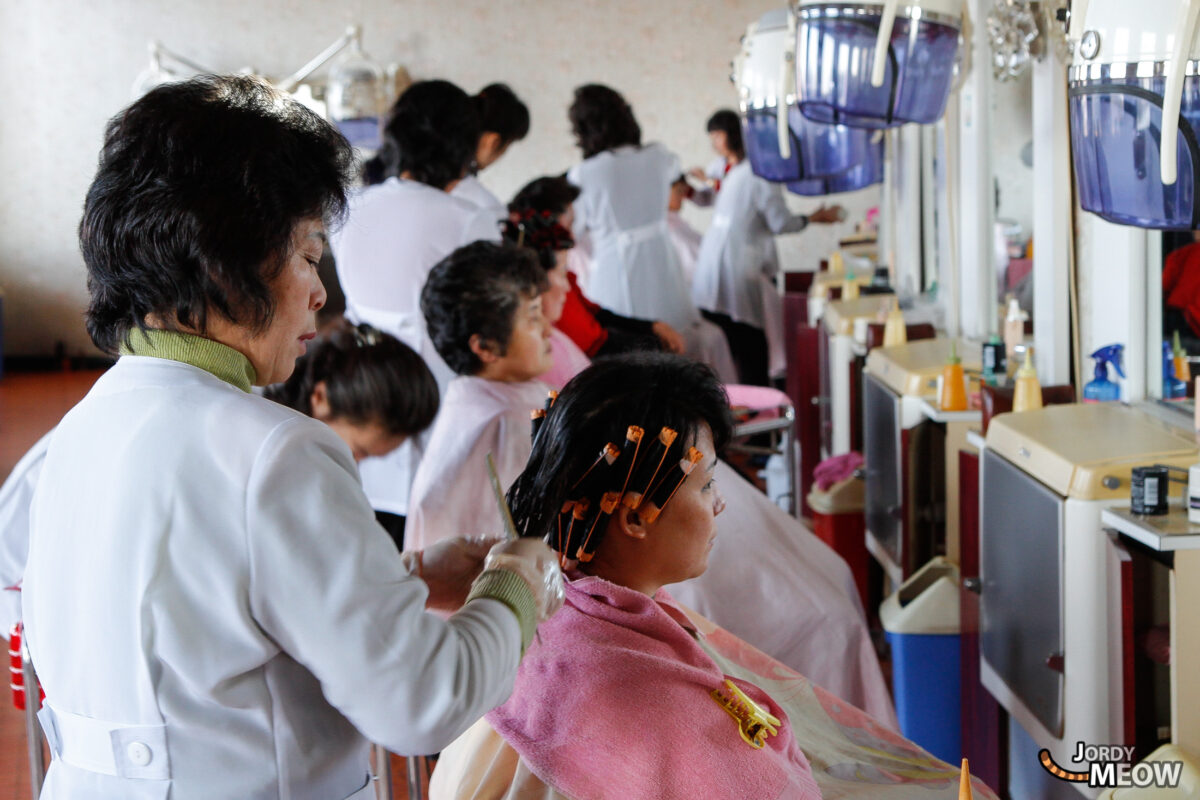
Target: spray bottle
1172, 387
1180, 357
954, 384
1027, 395
1100, 389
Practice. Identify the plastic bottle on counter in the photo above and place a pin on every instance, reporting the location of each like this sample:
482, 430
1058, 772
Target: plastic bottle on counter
995, 363
1179, 356
895, 330
954, 383
850, 287
1172, 387
1101, 389
1014, 328
1027, 395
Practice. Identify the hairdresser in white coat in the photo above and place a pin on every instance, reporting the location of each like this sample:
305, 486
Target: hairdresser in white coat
503, 120
212, 609
622, 205
396, 231
734, 280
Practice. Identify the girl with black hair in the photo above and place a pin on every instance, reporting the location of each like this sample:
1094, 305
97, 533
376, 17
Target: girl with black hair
503, 120
483, 308
627, 693
397, 230
622, 206
736, 268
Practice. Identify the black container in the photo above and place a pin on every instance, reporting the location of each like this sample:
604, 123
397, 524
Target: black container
994, 355
1148, 491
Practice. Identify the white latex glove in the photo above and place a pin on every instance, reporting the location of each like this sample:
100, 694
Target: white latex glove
449, 568
535, 563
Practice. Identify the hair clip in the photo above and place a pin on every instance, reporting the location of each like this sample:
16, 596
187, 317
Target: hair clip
608, 504
578, 512
365, 335
648, 469
629, 455
551, 397
590, 481
661, 494
755, 723
536, 417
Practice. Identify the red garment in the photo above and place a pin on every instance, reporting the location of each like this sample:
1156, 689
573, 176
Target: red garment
1181, 283
579, 322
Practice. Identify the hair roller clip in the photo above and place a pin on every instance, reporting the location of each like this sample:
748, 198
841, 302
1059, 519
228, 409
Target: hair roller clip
551, 396
591, 481
648, 468
608, 504
536, 417
575, 531
629, 455
661, 494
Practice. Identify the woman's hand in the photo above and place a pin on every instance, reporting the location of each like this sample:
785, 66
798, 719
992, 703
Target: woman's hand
827, 215
699, 174
671, 338
449, 568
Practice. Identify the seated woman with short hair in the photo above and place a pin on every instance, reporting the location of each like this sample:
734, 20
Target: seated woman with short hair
627, 694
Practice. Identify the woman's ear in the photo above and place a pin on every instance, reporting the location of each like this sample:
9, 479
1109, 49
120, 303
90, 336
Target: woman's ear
485, 350
319, 402
629, 522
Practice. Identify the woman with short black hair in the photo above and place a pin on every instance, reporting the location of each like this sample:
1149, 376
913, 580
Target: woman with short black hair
624, 192
503, 120
397, 230
212, 609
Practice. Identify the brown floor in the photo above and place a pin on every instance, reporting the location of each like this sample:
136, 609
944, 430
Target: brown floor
30, 405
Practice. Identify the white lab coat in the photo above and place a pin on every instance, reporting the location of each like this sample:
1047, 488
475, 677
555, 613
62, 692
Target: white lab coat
686, 241
395, 233
15, 497
452, 495
474, 192
622, 204
736, 268
214, 612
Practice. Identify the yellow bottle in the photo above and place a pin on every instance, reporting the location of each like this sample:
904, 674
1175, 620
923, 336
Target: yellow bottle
835, 261
954, 383
895, 331
1183, 370
850, 287
1028, 392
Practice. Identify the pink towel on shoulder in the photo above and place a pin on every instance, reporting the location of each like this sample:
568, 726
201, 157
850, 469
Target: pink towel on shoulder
614, 703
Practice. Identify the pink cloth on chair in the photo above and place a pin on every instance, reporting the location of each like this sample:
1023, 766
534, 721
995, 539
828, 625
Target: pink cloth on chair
614, 702
836, 469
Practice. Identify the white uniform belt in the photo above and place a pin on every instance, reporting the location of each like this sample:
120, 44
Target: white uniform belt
642, 233
721, 221
109, 748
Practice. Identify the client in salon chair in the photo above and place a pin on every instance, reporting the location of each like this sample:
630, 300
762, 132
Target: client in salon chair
628, 694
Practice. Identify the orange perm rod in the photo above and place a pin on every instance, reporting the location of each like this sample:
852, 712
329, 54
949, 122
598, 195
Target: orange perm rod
608, 504
592, 480
648, 469
964, 782
536, 417
629, 454
669, 485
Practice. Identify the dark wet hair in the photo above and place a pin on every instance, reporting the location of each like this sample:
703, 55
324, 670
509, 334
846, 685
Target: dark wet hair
728, 122
602, 120
370, 378
477, 289
551, 193
198, 191
650, 390
432, 133
501, 111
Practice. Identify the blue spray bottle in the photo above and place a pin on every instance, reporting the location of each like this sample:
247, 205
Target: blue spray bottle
1173, 388
1100, 389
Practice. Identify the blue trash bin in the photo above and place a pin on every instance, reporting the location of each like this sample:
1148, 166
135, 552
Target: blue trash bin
922, 625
